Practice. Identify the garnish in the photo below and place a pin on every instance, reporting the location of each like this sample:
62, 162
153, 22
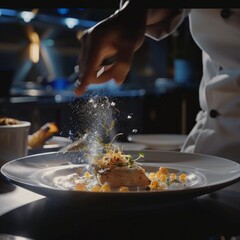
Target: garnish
112, 156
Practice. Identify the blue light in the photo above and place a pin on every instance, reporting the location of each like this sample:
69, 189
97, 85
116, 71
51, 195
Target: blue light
72, 22
8, 12
86, 23
62, 10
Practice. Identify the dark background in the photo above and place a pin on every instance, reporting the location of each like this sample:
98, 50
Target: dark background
42, 92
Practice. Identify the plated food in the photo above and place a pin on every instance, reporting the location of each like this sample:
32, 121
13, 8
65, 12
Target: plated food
8, 121
113, 170
122, 179
117, 169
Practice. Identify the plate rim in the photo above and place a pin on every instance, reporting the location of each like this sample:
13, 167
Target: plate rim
176, 145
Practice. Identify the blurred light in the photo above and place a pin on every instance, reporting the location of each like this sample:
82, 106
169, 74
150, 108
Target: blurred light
71, 22
8, 12
58, 98
62, 10
34, 37
27, 16
49, 42
87, 23
110, 85
34, 52
34, 47
60, 83
33, 92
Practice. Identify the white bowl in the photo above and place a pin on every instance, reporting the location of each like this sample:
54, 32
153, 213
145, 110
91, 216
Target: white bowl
13, 141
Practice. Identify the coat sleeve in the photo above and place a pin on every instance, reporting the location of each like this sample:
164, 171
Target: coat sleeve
166, 26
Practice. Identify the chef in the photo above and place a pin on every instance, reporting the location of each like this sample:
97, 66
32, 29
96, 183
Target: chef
215, 31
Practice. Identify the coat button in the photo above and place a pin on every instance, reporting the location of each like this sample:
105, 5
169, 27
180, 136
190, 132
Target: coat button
213, 113
226, 13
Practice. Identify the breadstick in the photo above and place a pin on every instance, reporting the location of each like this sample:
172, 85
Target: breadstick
37, 139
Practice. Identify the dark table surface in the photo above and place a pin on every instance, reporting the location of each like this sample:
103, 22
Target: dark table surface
210, 216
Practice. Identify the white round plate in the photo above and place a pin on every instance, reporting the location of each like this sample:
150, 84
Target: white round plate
159, 141
54, 144
205, 174
128, 146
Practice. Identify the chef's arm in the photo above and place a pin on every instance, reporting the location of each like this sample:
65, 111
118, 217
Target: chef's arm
118, 37
160, 22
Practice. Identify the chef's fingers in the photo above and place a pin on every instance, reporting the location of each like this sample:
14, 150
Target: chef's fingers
80, 88
93, 70
95, 50
119, 69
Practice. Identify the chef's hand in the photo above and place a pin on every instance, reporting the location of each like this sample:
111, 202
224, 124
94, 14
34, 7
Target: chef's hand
116, 38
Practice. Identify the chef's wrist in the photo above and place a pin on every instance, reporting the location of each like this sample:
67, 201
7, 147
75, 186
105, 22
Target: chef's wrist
157, 15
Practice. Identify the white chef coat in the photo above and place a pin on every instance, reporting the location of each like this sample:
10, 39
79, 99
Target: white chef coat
217, 33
